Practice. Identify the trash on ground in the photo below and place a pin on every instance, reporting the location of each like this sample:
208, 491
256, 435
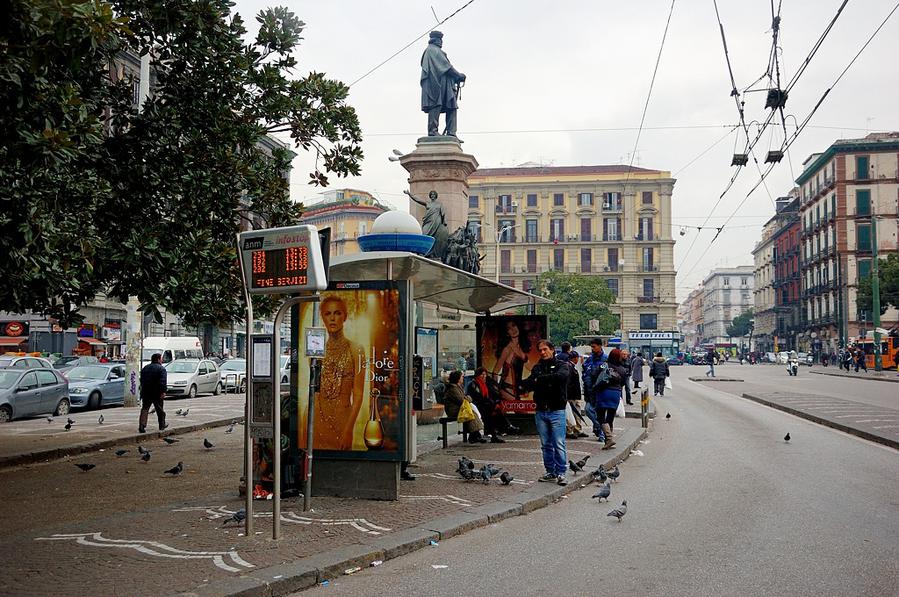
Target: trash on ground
439, 566
376, 563
352, 570
434, 543
324, 583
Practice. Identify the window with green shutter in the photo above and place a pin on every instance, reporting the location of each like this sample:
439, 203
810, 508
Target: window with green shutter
863, 237
861, 167
864, 268
863, 203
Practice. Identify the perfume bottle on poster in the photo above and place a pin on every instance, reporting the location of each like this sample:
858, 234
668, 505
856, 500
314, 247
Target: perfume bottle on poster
374, 433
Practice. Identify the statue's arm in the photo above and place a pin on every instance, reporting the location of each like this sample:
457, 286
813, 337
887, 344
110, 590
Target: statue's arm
414, 198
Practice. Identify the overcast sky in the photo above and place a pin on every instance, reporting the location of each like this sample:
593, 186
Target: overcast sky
542, 74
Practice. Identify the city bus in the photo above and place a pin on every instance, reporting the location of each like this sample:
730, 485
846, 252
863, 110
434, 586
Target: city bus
889, 351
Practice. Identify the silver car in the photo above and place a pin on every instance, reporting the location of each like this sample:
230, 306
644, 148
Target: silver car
16, 362
189, 377
31, 392
234, 375
94, 386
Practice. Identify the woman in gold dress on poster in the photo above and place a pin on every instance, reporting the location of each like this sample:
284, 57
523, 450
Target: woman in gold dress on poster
342, 381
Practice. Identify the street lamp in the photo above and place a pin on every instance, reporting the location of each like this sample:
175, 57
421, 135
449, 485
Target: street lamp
499, 234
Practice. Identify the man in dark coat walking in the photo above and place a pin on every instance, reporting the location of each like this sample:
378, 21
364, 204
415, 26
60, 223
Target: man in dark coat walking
658, 371
439, 82
153, 378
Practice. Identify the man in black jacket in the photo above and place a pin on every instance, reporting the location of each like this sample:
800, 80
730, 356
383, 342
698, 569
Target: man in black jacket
153, 380
549, 382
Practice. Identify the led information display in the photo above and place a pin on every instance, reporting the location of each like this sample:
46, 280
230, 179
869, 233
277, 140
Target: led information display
282, 260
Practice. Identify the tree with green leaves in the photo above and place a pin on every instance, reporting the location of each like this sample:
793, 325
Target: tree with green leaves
103, 198
888, 274
576, 300
741, 324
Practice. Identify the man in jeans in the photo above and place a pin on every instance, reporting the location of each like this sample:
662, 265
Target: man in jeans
591, 369
153, 378
549, 382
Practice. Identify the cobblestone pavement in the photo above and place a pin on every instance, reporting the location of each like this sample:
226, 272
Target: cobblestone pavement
37, 434
127, 528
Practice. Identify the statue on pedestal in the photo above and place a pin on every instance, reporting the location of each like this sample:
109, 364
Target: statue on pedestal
462, 251
441, 85
433, 224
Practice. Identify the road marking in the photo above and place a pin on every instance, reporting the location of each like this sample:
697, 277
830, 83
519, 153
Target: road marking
452, 499
153, 548
360, 524
886, 427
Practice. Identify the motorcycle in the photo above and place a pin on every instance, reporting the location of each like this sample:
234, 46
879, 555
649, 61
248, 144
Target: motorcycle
793, 367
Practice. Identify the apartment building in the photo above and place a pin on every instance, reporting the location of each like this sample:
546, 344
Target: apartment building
727, 292
349, 213
691, 318
610, 221
787, 305
765, 284
848, 213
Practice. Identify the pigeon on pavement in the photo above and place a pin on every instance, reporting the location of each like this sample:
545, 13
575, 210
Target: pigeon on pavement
100, 420
179, 411
71, 421
468, 474
49, 419
620, 511
237, 517
208, 444
146, 456
604, 492
183, 414
142, 450
85, 467
668, 415
487, 472
230, 428
506, 478
175, 470
68, 426
575, 467
121, 452
583, 461
170, 440
787, 437
600, 474
614, 474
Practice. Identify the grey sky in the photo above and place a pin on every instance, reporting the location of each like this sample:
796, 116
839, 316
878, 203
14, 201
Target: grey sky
562, 66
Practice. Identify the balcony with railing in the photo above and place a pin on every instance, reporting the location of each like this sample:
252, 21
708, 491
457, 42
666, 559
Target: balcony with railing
506, 208
648, 267
649, 299
613, 206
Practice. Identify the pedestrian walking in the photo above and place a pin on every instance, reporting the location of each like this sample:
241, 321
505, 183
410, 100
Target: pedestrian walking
637, 363
571, 357
153, 378
608, 388
860, 360
549, 382
658, 371
626, 363
711, 356
590, 369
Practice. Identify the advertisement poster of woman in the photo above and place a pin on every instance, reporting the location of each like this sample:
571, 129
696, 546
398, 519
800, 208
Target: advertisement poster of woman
360, 403
507, 347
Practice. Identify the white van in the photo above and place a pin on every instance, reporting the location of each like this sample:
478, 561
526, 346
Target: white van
171, 348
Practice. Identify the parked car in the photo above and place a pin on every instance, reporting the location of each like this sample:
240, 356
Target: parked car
285, 368
233, 373
675, 361
191, 377
64, 364
16, 362
94, 386
31, 392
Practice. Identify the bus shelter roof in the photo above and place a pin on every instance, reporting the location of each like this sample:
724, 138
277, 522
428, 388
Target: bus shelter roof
432, 281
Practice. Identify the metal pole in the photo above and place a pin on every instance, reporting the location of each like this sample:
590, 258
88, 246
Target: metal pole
314, 372
875, 295
247, 439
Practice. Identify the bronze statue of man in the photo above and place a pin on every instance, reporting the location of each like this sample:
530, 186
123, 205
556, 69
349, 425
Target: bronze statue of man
440, 84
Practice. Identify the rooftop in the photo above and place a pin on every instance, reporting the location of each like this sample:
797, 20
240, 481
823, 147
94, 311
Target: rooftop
562, 171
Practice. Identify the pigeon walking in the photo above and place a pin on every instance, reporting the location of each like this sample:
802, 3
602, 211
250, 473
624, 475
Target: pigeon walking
583, 461
71, 421
614, 474
230, 428
604, 492
506, 478
620, 511
179, 411
600, 475
208, 444
121, 453
175, 470
146, 456
49, 419
170, 440
85, 467
787, 437
237, 517
68, 427
575, 467
667, 415
142, 450
100, 420
184, 414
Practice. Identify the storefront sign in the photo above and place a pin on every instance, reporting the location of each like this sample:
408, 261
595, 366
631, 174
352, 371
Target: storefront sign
507, 348
86, 331
14, 329
112, 331
650, 336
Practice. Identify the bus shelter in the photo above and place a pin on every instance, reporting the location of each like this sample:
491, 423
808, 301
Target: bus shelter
362, 333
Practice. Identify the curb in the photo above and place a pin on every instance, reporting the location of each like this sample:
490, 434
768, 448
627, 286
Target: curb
310, 571
894, 379
125, 440
885, 441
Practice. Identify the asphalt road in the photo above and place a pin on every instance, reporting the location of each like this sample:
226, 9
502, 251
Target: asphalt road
718, 505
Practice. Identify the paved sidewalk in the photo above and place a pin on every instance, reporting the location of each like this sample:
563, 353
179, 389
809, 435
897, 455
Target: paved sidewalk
124, 527
879, 425
36, 439
872, 375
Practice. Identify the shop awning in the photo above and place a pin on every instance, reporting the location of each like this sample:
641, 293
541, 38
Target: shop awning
92, 341
12, 340
433, 282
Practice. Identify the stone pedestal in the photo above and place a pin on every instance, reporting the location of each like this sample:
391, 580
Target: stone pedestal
439, 164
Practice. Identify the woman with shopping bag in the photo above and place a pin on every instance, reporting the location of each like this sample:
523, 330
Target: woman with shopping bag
458, 406
607, 392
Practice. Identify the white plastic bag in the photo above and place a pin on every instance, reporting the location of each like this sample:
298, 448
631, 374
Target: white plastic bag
570, 421
619, 412
667, 383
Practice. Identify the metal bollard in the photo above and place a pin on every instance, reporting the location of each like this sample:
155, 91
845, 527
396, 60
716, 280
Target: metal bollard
644, 408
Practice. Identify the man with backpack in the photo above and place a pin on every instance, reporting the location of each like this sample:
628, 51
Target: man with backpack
591, 369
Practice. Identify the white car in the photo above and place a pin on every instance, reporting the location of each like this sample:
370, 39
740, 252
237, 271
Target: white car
285, 369
189, 377
233, 375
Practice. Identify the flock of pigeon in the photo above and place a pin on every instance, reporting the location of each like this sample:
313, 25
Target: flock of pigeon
484, 474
